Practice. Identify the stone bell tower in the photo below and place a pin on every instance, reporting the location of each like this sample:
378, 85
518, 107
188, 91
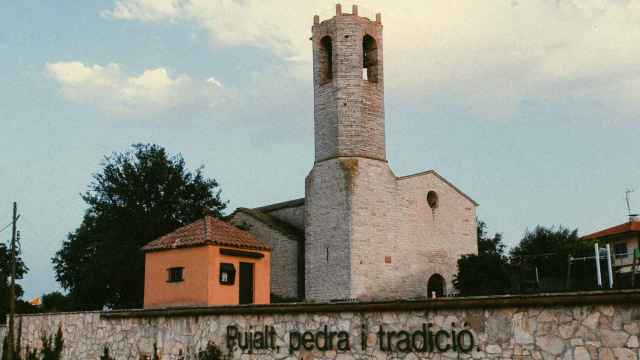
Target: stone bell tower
348, 87
350, 190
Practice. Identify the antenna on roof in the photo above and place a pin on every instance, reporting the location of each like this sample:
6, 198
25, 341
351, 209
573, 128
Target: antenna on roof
627, 196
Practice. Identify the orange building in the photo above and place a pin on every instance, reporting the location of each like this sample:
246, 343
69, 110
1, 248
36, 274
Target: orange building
208, 262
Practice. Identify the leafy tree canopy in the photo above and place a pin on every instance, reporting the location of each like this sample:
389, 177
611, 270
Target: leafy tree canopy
5, 271
488, 271
55, 302
138, 196
549, 250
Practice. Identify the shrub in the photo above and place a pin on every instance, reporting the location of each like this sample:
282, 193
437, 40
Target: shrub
105, 354
210, 352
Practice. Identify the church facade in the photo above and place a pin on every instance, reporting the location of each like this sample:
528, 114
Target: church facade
360, 232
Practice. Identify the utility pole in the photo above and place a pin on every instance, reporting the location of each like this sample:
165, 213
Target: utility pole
598, 274
12, 287
627, 197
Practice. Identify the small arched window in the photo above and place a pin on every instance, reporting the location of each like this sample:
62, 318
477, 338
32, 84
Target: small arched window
326, 60
432, 200
369, 59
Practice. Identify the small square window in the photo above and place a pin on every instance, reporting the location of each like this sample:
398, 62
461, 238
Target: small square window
227, 274
175, 274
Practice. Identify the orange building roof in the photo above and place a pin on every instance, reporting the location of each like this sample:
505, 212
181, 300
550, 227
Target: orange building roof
36, 301
631, 226
207, 231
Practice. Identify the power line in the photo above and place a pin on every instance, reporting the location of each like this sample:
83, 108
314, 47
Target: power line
6, 226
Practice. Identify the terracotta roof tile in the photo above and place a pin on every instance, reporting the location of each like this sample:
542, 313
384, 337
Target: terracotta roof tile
208, 230
631, 226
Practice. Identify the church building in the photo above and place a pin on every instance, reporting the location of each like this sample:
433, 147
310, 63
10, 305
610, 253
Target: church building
360, 232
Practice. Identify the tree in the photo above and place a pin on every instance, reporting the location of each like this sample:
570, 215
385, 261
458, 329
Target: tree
138, 196
542, 255
55, 302
5, 271
488, 271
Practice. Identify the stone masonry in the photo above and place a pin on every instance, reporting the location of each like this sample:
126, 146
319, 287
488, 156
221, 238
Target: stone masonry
285, 266
562, 331
368, 233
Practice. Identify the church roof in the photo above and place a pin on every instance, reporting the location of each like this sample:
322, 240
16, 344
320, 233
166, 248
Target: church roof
435, 173
281, 205
628, 227
207, 231
274, 223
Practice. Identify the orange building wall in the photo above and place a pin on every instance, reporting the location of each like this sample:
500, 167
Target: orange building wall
229, 294
190, 292
201, 274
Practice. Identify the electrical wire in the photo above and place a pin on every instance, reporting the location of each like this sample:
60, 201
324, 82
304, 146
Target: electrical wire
6, 227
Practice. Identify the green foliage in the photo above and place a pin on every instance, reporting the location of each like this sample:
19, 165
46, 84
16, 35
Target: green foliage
52, 345
5, 345
5, 271
210, 352
105, 354
243, 226
55, 302
543, 250
547, 250
31, 354
17, 345
137, 197
488, 271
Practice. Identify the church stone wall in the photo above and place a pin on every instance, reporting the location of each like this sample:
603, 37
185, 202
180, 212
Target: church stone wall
293, 215
328, 231
376, 224
557, 330
284, 259
3, 334
398, 241
434, 239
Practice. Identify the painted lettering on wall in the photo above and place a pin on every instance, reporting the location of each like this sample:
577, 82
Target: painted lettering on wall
421, 340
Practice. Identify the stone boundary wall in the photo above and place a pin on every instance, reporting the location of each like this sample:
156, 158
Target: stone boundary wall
3, 333
593, 325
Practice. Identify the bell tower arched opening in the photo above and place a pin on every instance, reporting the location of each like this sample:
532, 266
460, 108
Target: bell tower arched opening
369, 59
326, 60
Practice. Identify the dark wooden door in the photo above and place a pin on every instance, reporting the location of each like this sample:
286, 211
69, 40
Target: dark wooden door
246, 283
435, 286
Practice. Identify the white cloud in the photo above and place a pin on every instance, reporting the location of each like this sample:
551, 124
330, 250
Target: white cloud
214, 82
110, 88
488, 52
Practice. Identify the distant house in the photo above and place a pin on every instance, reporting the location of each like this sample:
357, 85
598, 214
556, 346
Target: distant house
36, 301
623, 240
208, 262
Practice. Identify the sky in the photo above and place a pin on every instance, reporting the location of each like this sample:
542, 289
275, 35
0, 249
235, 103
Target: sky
530, 107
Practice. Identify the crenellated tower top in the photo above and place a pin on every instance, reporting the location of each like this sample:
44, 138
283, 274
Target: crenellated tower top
348, 86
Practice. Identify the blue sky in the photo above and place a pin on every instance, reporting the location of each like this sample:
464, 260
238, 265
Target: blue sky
530, 108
